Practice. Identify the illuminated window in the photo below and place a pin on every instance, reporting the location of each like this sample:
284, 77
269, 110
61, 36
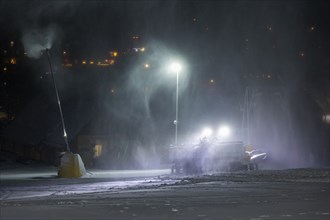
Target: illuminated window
13, 61
97, 150
326, 118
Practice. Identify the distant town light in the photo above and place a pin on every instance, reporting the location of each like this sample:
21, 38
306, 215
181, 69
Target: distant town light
142, 49
13, 61
211, 81
83, 62
113, 53
91, 62
11, 43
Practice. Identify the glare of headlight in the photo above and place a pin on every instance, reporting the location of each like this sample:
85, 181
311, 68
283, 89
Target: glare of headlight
224, 131
207, 132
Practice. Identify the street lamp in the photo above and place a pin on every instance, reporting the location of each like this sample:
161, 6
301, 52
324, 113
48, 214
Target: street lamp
176, 67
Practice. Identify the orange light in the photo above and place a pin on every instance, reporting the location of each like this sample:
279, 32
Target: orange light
13, 61
83, 62
91, 62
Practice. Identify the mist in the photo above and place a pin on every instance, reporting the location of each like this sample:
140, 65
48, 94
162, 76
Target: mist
226, 49
37, 40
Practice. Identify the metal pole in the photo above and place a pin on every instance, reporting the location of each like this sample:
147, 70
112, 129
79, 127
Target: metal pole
176, 108
59, 103
248, 117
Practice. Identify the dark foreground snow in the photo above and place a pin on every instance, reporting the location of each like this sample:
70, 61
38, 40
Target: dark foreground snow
269, 194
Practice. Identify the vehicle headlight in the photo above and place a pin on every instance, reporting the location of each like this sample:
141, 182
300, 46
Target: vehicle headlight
224, 131
207, 132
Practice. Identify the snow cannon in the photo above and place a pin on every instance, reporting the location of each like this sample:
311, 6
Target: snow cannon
71, 166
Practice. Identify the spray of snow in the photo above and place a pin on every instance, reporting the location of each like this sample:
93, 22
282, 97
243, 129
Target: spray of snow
37, 40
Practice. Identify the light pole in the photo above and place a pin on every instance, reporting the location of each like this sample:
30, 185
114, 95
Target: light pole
176, 67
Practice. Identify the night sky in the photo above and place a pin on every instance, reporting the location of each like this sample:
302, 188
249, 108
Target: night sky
278, 50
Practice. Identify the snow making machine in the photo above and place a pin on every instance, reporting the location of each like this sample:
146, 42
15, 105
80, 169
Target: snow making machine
209, 157
213, 154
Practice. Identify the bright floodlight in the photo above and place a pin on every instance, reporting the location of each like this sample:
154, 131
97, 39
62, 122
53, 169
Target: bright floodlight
224, 131
207, 132
175, 67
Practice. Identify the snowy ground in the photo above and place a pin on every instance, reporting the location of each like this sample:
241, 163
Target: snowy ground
156, 194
